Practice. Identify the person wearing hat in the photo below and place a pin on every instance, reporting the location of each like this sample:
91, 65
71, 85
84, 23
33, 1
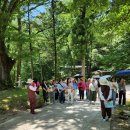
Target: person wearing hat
105, 93
32, 95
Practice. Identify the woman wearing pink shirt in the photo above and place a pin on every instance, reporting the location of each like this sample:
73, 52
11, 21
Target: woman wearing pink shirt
81, 87
87, 88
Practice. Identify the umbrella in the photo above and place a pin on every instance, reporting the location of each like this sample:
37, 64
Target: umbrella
108, 77
123, 73
96, 77
78, 76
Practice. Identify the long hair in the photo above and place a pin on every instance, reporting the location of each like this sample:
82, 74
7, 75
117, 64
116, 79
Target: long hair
68, 81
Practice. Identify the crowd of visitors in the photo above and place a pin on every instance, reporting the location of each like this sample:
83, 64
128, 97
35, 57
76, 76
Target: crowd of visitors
67, 91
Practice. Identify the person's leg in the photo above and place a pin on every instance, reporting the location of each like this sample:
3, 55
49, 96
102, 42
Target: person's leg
114, 97
124, 98
69, 94
103, 110
80, 93
90, 96
94, 96
63, 98
56, 95
109, 111
75, 92
30, 101
72, 97
60, 97
32, 105
86, 95
49, 97
120, 97
44, 97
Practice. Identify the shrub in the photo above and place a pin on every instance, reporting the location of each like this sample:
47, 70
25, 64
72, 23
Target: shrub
16, 99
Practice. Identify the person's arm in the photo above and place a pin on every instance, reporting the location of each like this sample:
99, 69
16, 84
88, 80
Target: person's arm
110, 95
33, 88
117, 86
71, 86
83, 85
43, 87
101, 94
90, 86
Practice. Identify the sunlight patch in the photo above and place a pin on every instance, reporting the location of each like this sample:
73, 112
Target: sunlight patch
93, 128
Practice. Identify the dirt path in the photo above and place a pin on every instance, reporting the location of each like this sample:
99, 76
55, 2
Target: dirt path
80, 116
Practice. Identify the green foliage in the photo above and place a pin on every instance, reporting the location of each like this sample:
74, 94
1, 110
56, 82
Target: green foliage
16, 99
103, 32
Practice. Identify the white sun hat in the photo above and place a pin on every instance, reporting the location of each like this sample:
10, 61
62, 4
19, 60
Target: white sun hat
29, 81
104, 81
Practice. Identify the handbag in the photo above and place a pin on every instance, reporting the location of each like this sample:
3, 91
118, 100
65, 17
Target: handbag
66, 91
109, 104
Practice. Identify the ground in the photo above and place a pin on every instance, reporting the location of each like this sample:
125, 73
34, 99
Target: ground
79, 116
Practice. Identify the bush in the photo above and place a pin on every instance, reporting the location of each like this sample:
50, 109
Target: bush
16, 99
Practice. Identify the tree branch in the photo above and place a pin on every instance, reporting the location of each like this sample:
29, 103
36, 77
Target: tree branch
39, 4
4, 5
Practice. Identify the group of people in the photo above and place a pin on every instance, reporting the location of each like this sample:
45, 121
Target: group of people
67, 90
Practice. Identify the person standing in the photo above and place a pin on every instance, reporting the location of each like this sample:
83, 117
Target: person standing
87, 88
122, 92
61, 89
32, 95
81, 87
114, 87
70, 90
51, 92
92, 90
75, 87
37, 85
105, 93
44, 91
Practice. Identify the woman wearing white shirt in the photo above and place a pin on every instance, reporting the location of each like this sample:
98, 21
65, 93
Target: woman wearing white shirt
92, 90
70, 90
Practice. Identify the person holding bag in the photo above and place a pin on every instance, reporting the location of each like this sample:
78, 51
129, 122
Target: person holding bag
105, 93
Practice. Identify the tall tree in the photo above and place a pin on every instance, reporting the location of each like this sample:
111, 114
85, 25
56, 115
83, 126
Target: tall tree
7, 9
30, 42
19, 46
53, 5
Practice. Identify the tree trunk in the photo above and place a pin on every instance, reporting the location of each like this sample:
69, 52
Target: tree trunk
83, 62
6, 65
30, 44
19, 48
54, 35
7, 8
83, 42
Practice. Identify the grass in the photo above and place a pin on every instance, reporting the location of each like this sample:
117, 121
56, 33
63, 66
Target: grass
16, 99
128, 105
